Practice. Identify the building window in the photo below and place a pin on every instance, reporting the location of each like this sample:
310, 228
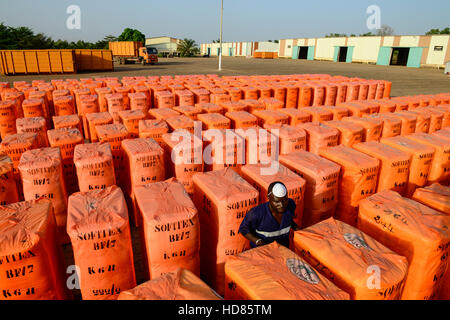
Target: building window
438, 48
289, 46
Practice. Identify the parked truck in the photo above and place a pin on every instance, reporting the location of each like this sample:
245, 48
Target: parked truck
133, 51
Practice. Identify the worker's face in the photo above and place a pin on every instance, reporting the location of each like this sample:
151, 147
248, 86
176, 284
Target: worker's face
279, 205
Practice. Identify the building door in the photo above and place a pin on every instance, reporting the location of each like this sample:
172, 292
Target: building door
384, 56
311, 53
303, 53
231, 52
415, 57
342, 54
218, 51
399, 56
209, 51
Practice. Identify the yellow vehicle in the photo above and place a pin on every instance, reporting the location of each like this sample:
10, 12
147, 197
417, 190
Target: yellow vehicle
133, 51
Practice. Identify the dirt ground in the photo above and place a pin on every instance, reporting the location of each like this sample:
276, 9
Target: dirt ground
406, 81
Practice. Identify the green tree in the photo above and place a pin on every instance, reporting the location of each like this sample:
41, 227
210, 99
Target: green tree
132, 35
368, 34
187, 48
385, 30
437, 31
335, 35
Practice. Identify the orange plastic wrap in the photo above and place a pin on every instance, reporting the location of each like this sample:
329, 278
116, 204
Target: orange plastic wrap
66, 139
97, 119
164, 99
305, 96
358, 180
415, 231
392, 126
41, 95
8, 187
7, 118
319, 135
68, 121
446, 110
42, 176
296, 116
322, 178
421, 160
163, 113
295, 185
101, 240
31, 262
183, 154
153, 129
222, 199
214, 121
372, 127
33, 108
17, 98
352, 91
272, 103
36, 125
180, 284
260, 145
356, 109
201, 95
440, 166
64, 105
292, 95
114, 134
102, 102
409, 122
271, 117
181, 122
233, 106
115, 104
210, 108
250, 93
143, 163
350, 133
171, 228
252, 105
347, 257
139, 101
189, 111
223, 148
95, 167
338, 112
184, 98
394, 165
437, 117
242, 119
319, 114
290, 138
435, 196
124, 91
130, 119
273, 272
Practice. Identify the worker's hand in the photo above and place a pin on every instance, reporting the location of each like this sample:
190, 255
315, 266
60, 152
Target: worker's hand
260, 243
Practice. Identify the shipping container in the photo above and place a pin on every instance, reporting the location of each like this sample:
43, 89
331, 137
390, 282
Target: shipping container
94, 60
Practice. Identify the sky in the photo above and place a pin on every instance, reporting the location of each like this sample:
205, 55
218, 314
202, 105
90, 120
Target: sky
243, 20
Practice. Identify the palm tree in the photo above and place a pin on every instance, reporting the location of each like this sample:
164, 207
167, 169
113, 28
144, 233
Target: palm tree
187, 48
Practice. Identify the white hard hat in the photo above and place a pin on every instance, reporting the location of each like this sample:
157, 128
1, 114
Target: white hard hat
279, 190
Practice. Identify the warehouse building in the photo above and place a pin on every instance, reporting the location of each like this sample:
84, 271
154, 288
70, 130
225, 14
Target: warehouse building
410, 51
238, 49
165, 45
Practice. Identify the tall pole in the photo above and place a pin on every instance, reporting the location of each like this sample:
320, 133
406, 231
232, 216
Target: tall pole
221, 23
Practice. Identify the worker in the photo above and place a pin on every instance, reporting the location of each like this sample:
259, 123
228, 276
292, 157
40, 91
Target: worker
270, 221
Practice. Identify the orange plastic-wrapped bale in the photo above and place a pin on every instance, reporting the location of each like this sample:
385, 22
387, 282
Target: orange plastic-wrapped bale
273, 272
130, 119
437, 117
446, 110
373, 128
392, 126
319, 135
356, 109
97, 119
102, 102
114, 134
181, 122
163, 113
319, 114
189, 111
233, 106
338, 112
214, 121
42, 177
68, 121
171, 228
164, 99
115, 104
435, 196
153, 129
36, 125
242, 119
210, 108
322, 179
184, 98
345, 255
290, 138
296, 116
409, 122
66, 139
350, 133
272, 103
357, 180
17, 98
223, 199
423, 120
33, 108
8, 187
260, 180
31, 265
223, 148
271, 117
95, 166
101, 240
7, 118
64, 105
260, 145
143, 163
421, 160
394, 165
139, 101
183, 153
440, 166
201, 95
413, 230
253, 105
180, 284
